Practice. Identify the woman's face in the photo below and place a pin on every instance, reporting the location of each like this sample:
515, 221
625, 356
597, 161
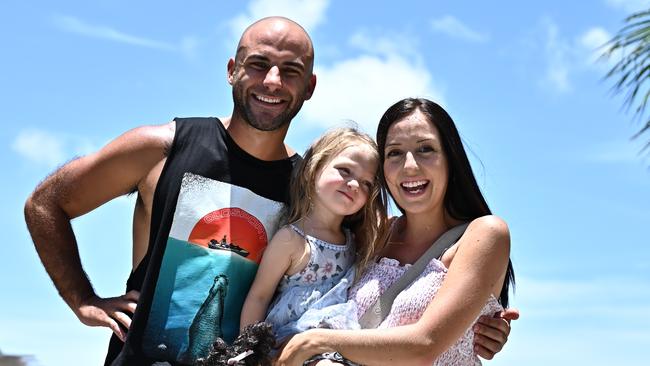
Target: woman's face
415, 165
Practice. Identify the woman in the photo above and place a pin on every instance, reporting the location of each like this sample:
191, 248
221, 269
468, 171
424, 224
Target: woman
428, 175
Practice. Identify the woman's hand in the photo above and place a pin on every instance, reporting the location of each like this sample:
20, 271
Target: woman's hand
299, 348
491, 333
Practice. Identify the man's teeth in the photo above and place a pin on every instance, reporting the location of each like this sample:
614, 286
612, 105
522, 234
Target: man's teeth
269, 100
412, 185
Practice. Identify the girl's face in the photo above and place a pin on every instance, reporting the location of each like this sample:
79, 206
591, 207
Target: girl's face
343, 185
415, 166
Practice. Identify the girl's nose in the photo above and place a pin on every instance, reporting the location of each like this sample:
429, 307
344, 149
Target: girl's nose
353, 184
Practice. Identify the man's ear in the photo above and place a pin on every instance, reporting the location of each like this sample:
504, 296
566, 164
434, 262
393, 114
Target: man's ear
311, 87
231, 70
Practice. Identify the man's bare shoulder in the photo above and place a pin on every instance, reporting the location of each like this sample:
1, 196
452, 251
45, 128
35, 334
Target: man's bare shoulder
150, 136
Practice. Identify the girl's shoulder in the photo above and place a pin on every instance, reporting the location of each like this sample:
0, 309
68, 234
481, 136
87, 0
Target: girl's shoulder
287, 238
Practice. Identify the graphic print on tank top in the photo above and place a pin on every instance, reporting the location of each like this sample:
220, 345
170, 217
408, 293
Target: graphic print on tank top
215, 245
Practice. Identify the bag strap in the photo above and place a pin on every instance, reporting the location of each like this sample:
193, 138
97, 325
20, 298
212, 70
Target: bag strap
378, 311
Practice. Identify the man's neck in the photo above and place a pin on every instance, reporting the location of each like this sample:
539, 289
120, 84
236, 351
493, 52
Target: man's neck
264, 145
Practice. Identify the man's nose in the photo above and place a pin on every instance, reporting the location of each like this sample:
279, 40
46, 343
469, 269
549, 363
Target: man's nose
273, 79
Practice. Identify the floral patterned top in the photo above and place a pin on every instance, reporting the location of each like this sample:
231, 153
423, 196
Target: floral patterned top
328, 265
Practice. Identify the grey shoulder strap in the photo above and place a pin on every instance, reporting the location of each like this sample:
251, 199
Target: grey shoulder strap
378, 311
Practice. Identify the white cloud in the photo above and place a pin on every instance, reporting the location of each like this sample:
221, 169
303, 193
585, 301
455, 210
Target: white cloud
457, 29
309, 14
75, 25
629, 6
48, 149
594, 38
187, 46
557, 52
39, 147
566, 55
593, 43
363, 87
397, 44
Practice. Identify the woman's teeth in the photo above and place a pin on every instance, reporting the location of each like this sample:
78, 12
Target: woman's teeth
414, 187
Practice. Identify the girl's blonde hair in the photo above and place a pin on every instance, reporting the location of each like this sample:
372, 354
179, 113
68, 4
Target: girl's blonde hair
369, 224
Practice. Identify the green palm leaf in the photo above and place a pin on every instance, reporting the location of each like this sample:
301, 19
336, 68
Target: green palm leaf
632, 70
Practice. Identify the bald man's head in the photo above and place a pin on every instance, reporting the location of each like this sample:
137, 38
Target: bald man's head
272, 73
280, 32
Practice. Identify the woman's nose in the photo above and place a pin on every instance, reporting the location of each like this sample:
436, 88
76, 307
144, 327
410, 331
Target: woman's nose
409, 161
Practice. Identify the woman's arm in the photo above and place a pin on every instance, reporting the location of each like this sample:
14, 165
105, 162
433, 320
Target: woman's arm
276, 261
477, 270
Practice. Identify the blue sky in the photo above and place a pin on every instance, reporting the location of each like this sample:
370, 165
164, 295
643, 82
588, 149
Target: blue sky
550, 145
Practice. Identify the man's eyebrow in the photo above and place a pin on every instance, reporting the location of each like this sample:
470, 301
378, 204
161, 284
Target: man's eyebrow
294, 64
257, 56
261, 57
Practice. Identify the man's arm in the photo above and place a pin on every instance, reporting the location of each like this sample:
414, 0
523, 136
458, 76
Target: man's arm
77, 188
491, 333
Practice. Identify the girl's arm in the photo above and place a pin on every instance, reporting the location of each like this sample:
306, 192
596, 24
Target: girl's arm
477, 270
276, 261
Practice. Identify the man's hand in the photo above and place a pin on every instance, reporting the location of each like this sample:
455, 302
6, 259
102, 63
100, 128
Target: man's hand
491, 333
109, 312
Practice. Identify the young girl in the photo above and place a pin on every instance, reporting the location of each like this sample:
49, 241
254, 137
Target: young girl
334, 216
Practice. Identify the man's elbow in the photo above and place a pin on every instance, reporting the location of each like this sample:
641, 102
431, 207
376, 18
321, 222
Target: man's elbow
40, 209
31, 209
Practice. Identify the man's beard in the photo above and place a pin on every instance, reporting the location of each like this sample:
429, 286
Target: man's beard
242, 106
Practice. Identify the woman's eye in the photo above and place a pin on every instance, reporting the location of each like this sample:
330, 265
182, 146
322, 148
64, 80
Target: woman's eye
425, 149
392, 153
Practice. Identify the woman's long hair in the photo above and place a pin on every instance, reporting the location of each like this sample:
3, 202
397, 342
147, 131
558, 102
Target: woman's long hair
463, 200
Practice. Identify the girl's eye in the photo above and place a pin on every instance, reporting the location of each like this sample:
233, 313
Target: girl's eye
344, 171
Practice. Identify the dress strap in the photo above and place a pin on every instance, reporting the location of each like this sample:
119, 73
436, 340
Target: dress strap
299, 231
349, 239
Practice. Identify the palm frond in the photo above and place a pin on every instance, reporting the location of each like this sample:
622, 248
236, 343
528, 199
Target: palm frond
631, 72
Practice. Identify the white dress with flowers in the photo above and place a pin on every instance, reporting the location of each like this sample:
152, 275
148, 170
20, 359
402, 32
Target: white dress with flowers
323, 282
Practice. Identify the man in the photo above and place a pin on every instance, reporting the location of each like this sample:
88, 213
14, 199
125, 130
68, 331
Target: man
199, 181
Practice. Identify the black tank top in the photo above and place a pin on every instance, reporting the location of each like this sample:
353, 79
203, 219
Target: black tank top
214, 209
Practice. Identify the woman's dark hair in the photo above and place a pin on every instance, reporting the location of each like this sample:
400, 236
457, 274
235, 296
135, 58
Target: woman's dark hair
463, 200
